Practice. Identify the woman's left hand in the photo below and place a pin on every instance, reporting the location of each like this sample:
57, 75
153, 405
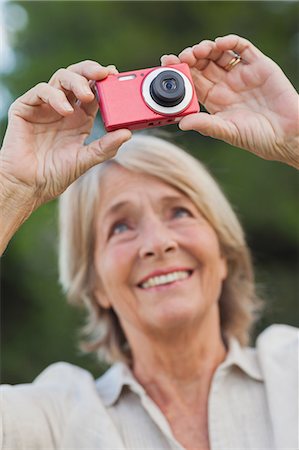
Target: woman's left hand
252, 104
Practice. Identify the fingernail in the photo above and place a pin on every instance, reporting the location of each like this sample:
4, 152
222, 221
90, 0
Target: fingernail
67, 106
86, 90
95, 63
187, 49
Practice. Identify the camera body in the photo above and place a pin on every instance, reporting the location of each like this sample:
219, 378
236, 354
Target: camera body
146, 98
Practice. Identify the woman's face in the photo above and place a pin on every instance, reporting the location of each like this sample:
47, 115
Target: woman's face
157, 258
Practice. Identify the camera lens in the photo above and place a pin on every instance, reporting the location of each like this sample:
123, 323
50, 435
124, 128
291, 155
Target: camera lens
168, 88
169, 84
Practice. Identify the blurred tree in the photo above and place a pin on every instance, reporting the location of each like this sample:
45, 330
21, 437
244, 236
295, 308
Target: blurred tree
38, 327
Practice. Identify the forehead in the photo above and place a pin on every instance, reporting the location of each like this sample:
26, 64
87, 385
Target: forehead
121, 184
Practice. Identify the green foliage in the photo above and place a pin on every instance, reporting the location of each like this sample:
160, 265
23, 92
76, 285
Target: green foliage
38, 327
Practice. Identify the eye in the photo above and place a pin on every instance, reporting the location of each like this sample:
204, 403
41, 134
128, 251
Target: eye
180, 211
118, 228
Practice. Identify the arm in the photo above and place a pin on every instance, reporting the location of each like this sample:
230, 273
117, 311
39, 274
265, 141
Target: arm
253, 106
15, 208
43, 150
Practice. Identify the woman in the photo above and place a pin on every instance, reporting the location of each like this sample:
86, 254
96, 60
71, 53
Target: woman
151, 246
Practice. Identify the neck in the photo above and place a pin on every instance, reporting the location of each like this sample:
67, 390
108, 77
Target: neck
179, 368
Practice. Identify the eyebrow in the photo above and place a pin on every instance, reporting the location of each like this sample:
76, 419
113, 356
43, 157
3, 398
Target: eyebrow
126, 203
116, 207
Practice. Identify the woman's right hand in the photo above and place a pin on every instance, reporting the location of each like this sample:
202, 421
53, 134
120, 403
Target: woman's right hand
43, 150
251, 105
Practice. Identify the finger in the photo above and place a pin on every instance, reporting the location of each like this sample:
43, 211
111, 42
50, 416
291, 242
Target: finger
211, 61
214, 73
205, 52
242, 46
208, 55
91, 70
104, 148
43, 93
187, 56
72, 83
76, 79
208, 125
90, 108
167, 60
202, 85
206, 49
112, 69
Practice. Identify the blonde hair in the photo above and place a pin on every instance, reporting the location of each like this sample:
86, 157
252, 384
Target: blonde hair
238, 302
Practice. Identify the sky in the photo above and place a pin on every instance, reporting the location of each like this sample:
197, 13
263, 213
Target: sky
13, 17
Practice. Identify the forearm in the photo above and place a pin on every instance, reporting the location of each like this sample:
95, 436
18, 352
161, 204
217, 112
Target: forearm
16, 205
290, 151
288, 144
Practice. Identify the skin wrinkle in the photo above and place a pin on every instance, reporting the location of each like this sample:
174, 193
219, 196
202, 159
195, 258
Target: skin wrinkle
247, 139
227, 133
180, 319
155, 321
209, 92
213, 73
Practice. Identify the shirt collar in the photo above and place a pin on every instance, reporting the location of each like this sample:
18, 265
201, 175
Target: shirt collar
243, 357
111, 384
119, 376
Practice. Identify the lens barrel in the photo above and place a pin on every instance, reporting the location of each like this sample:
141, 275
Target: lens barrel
167, 88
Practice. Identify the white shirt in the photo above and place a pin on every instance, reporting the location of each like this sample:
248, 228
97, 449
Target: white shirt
253, 404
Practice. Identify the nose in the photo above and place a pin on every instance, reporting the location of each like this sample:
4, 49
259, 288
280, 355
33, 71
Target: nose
156, 240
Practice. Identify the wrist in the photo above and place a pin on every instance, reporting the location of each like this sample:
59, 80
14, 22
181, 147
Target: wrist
16, 205
289, 150
290, 141
15, 196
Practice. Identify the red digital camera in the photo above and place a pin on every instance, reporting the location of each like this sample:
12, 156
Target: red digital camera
146, 98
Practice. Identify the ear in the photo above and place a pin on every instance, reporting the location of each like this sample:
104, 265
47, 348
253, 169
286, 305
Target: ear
102, 298
223, 268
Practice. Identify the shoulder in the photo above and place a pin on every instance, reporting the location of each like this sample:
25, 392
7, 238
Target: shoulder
64, 375
277, 341
55, 389
35, 415
58, 377
277, 353
281, 332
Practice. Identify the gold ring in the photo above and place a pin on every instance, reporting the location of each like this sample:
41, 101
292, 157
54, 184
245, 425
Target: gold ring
233, 62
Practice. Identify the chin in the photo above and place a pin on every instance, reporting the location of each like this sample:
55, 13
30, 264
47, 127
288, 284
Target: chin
174, 317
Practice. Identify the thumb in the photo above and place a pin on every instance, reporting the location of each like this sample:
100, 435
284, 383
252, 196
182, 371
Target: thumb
104, 148
208, 125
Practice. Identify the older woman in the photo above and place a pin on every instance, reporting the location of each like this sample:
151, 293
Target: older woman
152, 248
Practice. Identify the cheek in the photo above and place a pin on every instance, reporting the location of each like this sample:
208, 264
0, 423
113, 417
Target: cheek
117, 264
203, 243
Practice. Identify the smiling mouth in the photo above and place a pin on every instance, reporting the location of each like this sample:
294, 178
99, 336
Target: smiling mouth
168, 278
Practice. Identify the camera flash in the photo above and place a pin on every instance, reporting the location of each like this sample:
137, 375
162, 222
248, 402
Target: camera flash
127, 77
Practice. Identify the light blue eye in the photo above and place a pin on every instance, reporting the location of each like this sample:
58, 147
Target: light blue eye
119, 228
181, 212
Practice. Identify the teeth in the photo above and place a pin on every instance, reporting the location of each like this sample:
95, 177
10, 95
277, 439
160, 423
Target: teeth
165, 279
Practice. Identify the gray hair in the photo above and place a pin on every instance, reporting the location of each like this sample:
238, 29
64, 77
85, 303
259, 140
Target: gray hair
238, 302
